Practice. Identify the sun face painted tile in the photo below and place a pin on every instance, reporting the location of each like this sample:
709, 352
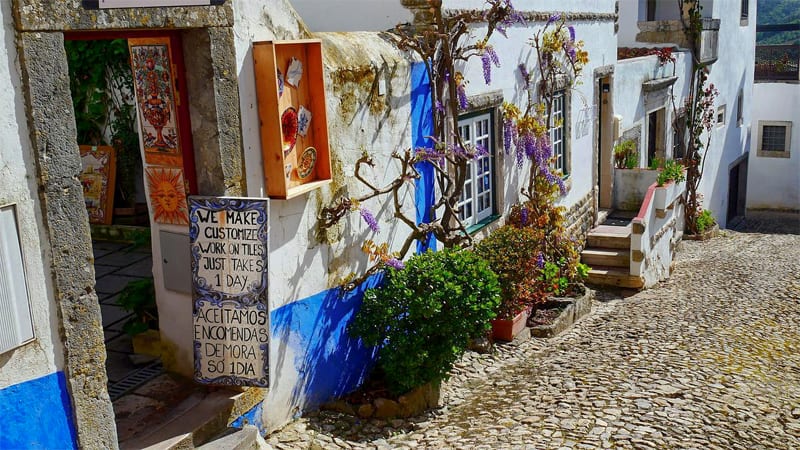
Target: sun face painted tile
167, 191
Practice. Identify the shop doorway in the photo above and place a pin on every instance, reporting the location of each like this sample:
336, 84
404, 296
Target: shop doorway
118, 82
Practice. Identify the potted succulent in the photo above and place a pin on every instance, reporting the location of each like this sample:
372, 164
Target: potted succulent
512, 254
626, 156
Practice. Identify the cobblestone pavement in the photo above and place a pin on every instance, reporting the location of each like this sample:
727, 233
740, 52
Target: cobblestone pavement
709, 359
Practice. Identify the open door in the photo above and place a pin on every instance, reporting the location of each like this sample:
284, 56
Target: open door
605, 139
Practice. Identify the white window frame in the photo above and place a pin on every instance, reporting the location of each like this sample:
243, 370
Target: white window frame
558, 134
720, 116
480, 185
786, 152
16, 323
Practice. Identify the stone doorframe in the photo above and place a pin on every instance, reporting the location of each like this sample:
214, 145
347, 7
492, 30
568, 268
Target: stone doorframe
602, 153
40, 27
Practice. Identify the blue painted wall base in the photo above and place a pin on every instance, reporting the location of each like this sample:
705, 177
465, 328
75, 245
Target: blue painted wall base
37, 414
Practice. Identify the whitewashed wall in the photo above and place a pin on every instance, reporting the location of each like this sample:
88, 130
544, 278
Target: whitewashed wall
301, 266
600, 42
629, 98
351, 15
19, 186
774, 183
732, 71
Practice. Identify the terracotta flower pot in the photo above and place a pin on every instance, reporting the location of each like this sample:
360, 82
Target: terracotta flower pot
506, 329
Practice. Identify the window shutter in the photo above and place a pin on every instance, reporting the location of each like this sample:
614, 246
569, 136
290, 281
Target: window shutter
16, 326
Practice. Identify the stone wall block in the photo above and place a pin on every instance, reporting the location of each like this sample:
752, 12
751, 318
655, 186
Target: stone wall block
53, 138
226, 98
63, 15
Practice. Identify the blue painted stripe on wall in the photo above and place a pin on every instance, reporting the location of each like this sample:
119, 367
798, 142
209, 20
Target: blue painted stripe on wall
331, 363
422, 126
37, 414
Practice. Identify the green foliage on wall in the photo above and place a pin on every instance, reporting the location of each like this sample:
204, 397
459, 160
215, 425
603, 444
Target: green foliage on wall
101, 83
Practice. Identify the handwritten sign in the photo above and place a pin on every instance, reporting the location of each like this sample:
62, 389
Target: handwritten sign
229, 276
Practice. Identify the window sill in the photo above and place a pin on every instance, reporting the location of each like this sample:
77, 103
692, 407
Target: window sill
779, 154
472, 229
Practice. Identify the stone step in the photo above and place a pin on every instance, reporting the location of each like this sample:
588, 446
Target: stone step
614, 257
609, 236
247, 438
614, 276
194, 421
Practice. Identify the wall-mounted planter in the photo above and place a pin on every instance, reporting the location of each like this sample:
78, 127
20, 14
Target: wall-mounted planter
665, 196
572, 310
291, 109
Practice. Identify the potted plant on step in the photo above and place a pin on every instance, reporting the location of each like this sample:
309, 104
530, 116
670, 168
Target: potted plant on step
139, 298
512, 254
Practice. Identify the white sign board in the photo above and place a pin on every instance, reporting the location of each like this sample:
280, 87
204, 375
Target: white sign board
229, 276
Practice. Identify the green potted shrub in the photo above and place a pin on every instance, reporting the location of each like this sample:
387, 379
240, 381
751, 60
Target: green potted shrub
424, 315
139, 298
512, 254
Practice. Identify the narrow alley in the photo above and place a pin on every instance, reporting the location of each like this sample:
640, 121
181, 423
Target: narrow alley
709, 359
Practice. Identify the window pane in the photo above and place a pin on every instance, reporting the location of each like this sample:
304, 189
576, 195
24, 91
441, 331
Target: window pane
773, 138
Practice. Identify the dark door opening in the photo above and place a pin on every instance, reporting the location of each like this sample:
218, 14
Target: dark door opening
737, 190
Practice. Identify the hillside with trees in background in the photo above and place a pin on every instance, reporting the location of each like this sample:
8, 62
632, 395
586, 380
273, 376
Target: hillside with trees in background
772, 12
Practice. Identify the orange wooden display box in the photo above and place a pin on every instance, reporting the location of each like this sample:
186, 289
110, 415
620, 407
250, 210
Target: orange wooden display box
282, 169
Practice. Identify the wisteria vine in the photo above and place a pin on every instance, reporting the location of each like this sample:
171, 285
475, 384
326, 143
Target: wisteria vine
443, 44
560, 59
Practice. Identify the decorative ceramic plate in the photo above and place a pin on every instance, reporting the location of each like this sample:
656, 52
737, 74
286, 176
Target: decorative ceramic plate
280, 83
295, 72
303, 121
306, 163
289, 129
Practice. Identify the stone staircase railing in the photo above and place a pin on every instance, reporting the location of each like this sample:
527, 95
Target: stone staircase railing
656, 231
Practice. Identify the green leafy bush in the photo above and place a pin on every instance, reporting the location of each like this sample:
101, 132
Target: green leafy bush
424, 315
705, 221
672, 171
512, 254
139, 297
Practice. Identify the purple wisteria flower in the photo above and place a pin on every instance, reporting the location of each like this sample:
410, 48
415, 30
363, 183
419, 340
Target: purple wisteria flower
395, 263
509, 134
487, 68
571, 30
554, 18
523, 216
462, 96
439, 106
540, 261
489, 57
429, 154
481, 150
369, 219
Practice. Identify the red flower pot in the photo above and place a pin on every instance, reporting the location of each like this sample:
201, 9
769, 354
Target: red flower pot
506, 329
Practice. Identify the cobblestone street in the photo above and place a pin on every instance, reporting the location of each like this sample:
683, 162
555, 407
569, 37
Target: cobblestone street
709, 359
